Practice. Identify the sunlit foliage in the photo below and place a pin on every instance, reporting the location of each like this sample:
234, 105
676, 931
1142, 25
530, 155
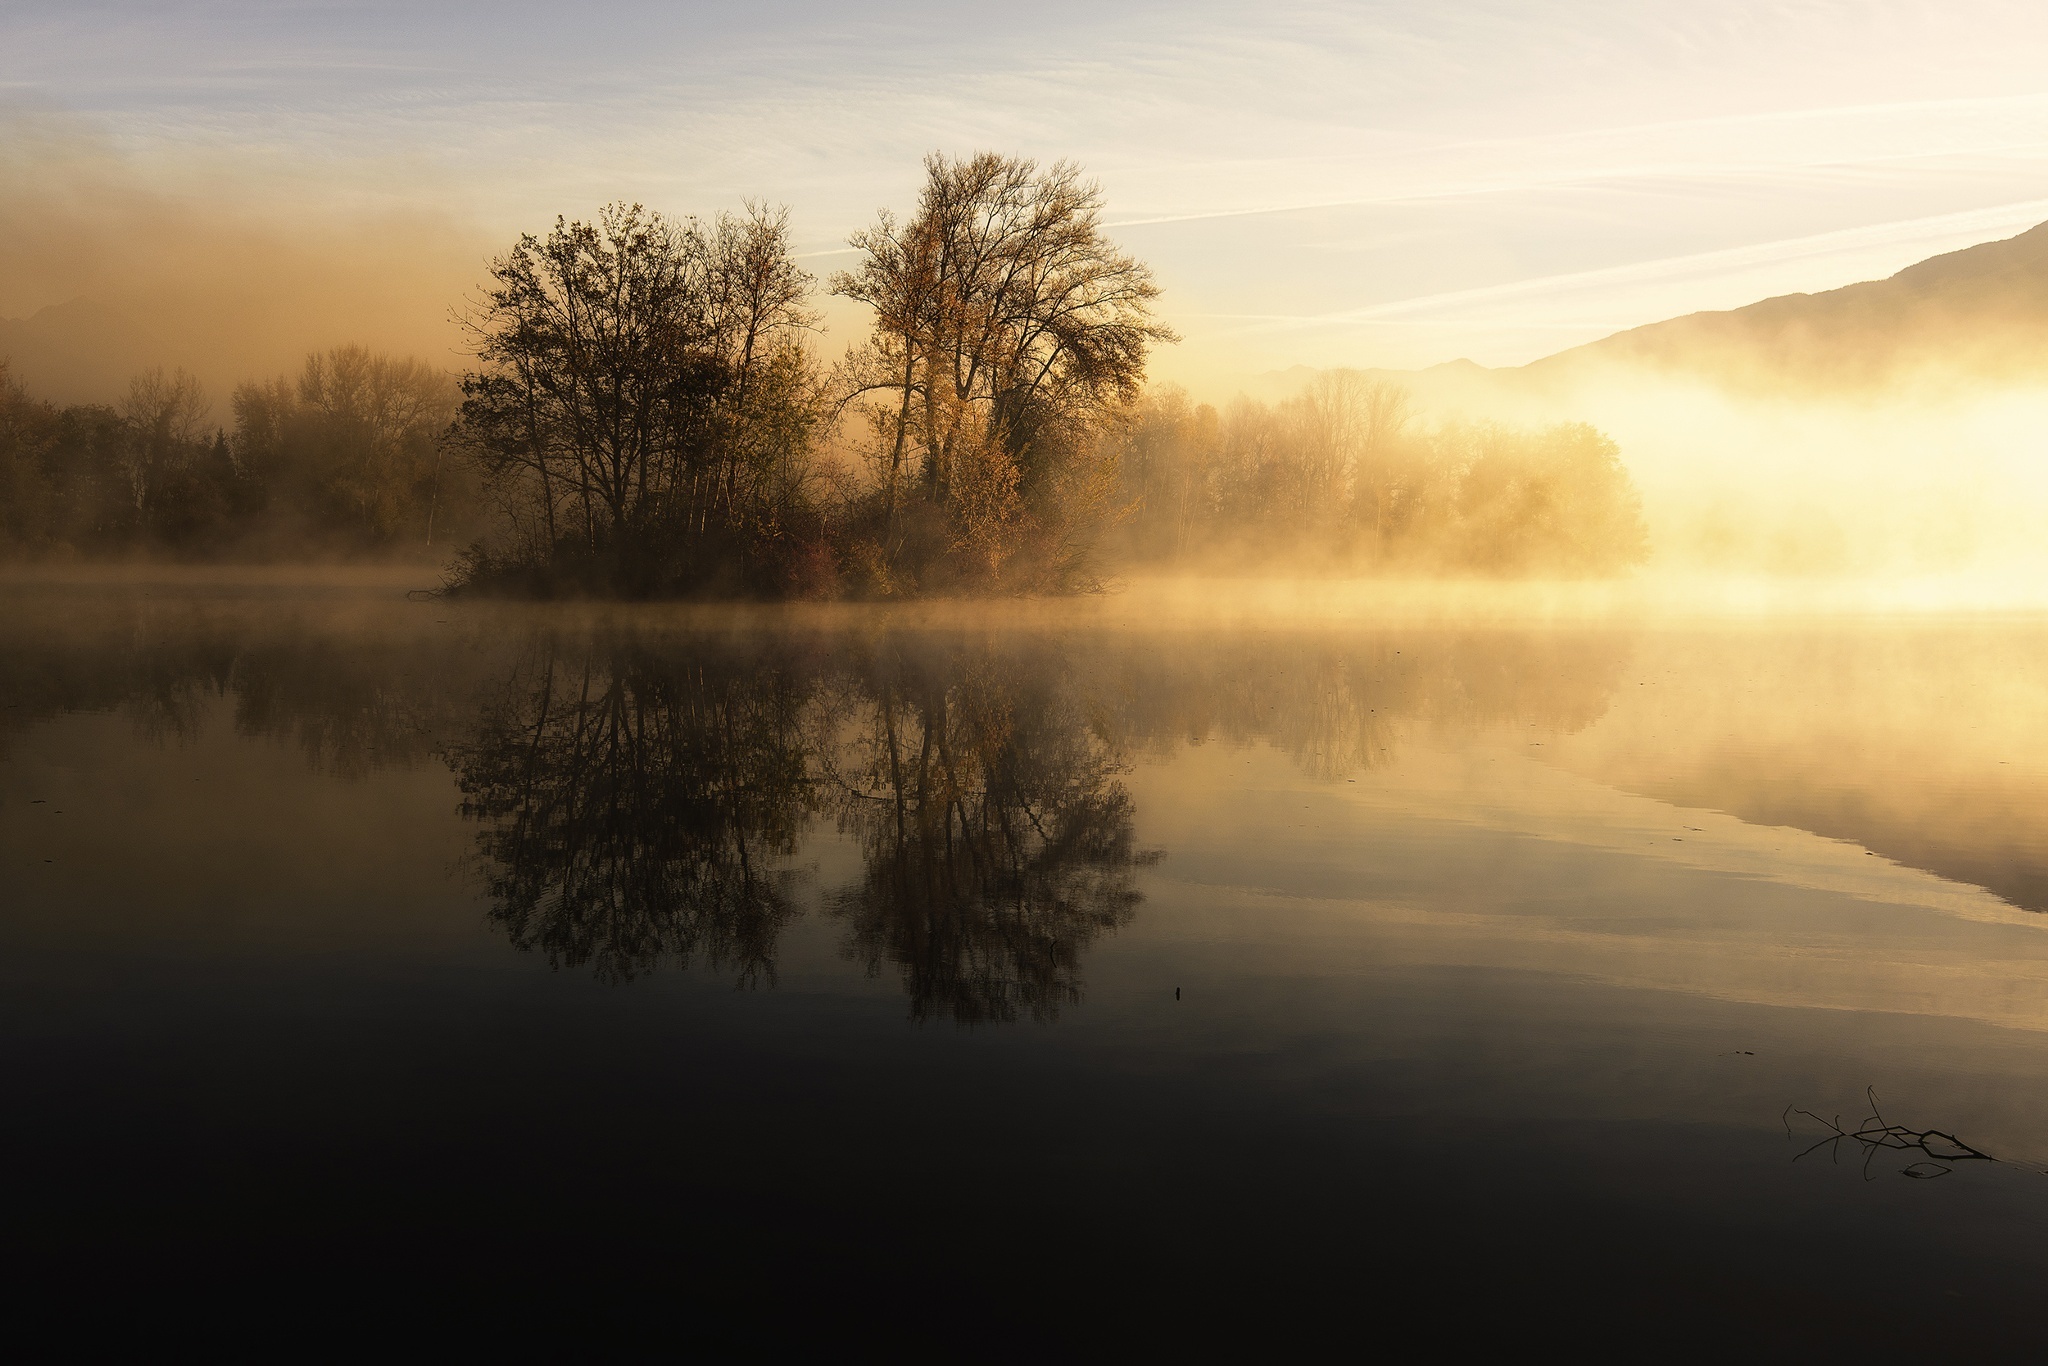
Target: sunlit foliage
1007, 328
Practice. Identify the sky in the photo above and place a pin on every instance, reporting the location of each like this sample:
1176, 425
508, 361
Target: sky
1380, 184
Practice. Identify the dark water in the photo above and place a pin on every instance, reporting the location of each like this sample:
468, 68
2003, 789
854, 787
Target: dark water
553, 982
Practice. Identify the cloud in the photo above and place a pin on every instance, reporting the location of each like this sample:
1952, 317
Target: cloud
1740, 275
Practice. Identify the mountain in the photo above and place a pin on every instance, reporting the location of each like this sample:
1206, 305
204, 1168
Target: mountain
81, 351
1981, 312
1966, 317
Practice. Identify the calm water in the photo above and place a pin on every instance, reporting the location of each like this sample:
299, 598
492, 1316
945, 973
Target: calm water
542, 978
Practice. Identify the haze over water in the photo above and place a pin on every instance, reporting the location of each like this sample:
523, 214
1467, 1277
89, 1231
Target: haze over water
1049, 960
1070, 682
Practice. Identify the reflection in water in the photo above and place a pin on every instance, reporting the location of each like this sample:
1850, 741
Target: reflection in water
1423, 916
644, 797
349, 706
997, 840
633, 808
640, 801
1937, 1151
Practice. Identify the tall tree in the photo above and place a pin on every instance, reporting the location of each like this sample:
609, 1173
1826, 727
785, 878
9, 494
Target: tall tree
1006, 326
352, 445
166, 411
595, 345
644, 404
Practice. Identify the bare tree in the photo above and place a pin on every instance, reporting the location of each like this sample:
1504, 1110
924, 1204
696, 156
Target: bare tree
1381, 471
166, 412
899, 279
772, 400
379, 419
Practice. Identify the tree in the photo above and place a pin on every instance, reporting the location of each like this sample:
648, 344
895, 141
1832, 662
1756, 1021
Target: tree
645, 408
1007, 326
27, 494
1384, 473
998, 840
1335, 478
771, 405
353, 444
377, 422
1167, 457
596, 351
166, 412
1558, 500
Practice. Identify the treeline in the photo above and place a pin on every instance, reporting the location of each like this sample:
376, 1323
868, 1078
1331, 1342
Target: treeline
1343, 477
346, 458
650, 415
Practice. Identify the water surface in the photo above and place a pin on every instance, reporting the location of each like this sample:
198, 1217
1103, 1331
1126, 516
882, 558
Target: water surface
1014, 982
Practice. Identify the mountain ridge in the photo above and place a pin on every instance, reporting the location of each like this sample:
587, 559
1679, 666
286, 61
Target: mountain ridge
1980, 309
1976, 314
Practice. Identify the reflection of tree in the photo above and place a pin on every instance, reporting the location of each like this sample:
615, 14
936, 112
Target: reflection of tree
635, 808
998, 843
1342, 704
351, 706
639, 805
639, 798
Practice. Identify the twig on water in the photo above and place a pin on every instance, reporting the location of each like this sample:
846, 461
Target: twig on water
1875, 1133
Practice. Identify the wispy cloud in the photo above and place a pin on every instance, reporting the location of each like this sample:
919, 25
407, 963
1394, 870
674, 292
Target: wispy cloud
1850, 249
1532, 169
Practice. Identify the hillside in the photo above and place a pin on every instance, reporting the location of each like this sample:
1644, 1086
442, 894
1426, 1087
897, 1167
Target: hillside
82, 352
1981, 312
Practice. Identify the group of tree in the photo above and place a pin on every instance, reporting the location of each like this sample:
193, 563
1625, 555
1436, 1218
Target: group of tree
345, 458
650, 414
1344, 477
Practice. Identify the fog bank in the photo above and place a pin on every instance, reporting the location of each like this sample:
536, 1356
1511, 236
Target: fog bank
113, 265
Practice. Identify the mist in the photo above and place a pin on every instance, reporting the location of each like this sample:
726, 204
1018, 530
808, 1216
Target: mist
115, 263
1184, 678
1813, 439
1943, 477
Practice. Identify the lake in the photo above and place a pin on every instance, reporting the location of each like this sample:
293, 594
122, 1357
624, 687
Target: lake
1022, 980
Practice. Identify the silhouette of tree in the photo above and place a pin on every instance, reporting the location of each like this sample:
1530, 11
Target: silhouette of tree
645, 409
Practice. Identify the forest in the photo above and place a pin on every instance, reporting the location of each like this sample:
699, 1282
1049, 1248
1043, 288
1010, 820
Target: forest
651, 412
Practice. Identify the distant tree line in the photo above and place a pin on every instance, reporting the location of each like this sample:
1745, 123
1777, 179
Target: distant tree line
345, 458
1343, 477
649, 414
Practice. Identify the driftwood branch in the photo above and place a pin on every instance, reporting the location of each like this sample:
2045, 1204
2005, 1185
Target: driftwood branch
1875, 1134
